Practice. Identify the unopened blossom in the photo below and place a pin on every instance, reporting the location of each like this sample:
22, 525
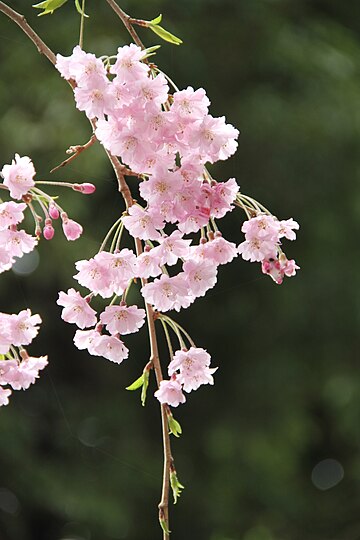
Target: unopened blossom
23, 327
76, 309
11, 213
71, 228
18, 176
170, 392
123, 319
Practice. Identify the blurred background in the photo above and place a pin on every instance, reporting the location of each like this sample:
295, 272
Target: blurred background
271, 452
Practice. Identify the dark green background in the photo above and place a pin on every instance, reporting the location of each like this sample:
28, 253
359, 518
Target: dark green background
79, 457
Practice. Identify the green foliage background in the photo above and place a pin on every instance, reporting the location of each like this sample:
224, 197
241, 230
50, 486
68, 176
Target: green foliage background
80, 458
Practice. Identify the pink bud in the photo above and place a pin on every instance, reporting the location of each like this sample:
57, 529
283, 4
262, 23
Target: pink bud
53, 211
71, 228
86, 188
48, 232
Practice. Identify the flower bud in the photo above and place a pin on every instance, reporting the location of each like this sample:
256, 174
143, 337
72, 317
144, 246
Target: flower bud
86, 188
53, 211
48, 230
71, 228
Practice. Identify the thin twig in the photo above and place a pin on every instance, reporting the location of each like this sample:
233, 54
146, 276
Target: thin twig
126, 20
75, 151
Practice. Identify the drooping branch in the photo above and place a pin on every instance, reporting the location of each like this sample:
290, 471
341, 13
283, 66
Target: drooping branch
120, 172
25, 27
126, 20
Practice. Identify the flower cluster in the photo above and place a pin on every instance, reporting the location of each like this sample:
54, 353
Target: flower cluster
17, 368
166, 140
263, 235
188, 369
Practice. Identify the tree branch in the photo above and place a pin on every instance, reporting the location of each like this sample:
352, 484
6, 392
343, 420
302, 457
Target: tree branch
120, 172
126, 20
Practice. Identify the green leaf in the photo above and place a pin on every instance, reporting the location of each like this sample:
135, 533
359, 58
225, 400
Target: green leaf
176, 486
49, 6
150, 51
164, 526
164, 34
157, 20
136, 384
79, 9
146, 375
174, 426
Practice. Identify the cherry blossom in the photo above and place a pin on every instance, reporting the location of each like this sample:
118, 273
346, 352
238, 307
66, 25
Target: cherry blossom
76, 309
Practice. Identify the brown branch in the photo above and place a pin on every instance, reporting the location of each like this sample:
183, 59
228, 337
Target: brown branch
120, 172
25, 27
127, 21
75, 151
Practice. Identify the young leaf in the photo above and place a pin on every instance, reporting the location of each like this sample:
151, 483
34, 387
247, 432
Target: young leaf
146, 375
174, 426
49, 6
164, 526
136, 384
79, 9
175, 486
164, 34
157, 20
150, 51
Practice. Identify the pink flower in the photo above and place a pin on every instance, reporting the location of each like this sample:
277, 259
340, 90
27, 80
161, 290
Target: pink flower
143, 224
11, 213
192, 367
23, 327
111, 348
76, 309
18, 176
123, 319
278, 268
263, 227
200, 276
5, 335
170, 392
172, 247
165, 293
4, 396
96, 275
220, 251
28, 372
128, 66
148, 263
257, 250
87, 339
71, 228
190, 104
16, 243
287, 227
8, 371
